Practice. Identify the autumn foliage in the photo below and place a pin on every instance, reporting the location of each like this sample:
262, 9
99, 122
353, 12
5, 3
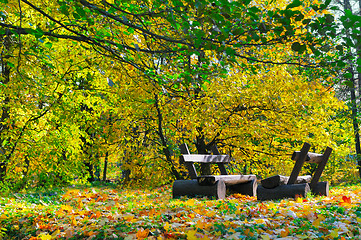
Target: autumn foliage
109, 213
88, 95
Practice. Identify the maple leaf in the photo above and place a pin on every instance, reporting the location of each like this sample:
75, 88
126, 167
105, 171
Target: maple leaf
45, 237
346, 200
142, 233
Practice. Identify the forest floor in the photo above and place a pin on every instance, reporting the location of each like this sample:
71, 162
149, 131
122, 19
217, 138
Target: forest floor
111, 213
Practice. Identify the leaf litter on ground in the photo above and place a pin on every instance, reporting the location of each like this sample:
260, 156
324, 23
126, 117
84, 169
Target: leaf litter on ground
109, 213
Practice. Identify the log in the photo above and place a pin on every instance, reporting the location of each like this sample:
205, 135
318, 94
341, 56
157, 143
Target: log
249, 188
310, 157
278, 180
321, 189
191, 188
283, 191
227, 179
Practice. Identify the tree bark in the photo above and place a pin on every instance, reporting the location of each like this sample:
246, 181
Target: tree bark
191, 188
359, 85
248, 188
321, 189
5, 71
163, 140
278, 180
354, 110
283, 191
105, 166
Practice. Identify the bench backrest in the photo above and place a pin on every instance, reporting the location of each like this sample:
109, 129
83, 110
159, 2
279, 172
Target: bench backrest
189, 160
205, 158
304, 156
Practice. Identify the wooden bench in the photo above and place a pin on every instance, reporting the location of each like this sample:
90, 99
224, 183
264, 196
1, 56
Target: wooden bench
277, 187
211, 185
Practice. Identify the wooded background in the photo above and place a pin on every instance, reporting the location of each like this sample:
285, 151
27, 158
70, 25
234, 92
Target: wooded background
109, 89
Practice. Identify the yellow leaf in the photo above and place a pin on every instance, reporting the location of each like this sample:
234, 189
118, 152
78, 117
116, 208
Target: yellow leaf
45, 237
334, 233
73, 221
191, 235
55, 233
265, 237
167, 226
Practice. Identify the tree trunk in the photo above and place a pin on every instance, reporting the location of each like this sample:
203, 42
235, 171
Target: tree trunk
354, 111
359, 85
105, 166
163, 140
5, 71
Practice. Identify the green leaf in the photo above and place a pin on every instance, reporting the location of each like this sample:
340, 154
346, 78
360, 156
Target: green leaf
306, 21
348, 75
230, 51
358, 61
296, 46
348, 83
80, 11
295, 3
299, 17
329, 18
38, 33
49, 44
255, 37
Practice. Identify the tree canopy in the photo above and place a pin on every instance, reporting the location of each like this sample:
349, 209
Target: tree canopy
87, 83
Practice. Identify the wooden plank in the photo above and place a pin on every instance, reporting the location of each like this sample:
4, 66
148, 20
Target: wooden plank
278, 180
221, 166
227, 179
191, 188
200, 158
310, 158
321, 166
283, 191
299, 163
190, 166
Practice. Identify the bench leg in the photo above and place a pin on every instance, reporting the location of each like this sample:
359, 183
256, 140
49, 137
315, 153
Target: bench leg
321, 189
248, 188
191, 188
282, 191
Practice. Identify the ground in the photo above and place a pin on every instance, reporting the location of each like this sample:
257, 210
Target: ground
108, 212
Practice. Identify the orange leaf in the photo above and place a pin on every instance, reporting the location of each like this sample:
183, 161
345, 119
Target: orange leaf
142, 233
285, 233
73, 221
346, 199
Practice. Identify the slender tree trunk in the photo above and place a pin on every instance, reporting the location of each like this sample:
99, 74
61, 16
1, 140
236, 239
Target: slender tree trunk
5, 114
354, 110
163, 139
105, 166
359, 84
